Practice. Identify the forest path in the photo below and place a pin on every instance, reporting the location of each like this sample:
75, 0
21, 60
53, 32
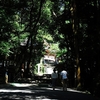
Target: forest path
25, 91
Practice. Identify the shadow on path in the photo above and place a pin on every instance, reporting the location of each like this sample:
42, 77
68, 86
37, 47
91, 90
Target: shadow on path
17, 91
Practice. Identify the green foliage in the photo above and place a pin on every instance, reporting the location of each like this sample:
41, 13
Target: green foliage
47, 9
55, 47
61, 52
5, 48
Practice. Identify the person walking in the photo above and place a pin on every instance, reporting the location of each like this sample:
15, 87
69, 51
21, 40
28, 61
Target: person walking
64, 79
6, 76
54, 77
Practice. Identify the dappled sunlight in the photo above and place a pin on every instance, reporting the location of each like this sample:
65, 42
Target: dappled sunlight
24, 91
15, 91
27, 88
21, 85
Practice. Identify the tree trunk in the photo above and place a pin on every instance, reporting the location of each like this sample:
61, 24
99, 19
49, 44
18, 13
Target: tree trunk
74, 28
32, 36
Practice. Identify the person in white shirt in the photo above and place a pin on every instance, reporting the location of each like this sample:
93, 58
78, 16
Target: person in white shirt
64, 79
54, 77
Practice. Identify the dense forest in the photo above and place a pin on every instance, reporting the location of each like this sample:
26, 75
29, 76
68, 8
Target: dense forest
73, 24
